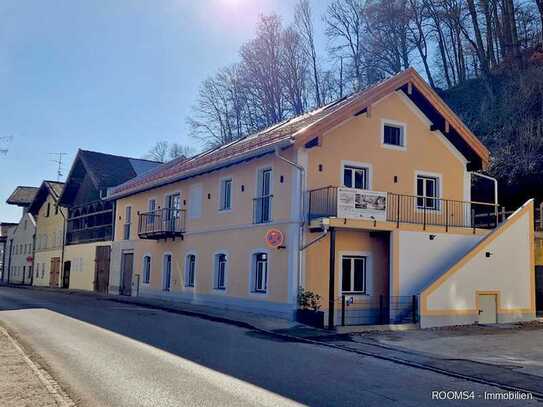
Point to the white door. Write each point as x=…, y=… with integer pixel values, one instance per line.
x=487, y=309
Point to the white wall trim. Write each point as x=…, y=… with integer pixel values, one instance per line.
x=219, y=194
x=369, y=271
x=164, y=254
x=145, y=254
x=253, y=293
x=384, y=122
x=185, y=267
x=357, y=164
x=226, y=271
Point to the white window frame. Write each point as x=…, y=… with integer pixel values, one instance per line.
x=143, y=268
x=365, y=276
x=216, y=270
x=222, y=193
x=186, y=270
x=255, y=273
x=439, y=178
x=369, y=272
x=151, y=218
x=258, y=190
x=252, y=272
x=169, y=289
x=394, y=123
x=127, y=226
x=358, y=164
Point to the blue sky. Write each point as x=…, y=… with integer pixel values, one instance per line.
x=109, y=75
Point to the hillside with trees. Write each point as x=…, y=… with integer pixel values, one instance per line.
x=484, y=57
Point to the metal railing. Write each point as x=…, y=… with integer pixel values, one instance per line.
x=161, y=223
x=262, y=209
x=378, y=310
x=412, y=209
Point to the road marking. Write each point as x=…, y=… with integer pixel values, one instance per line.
x=50, y=384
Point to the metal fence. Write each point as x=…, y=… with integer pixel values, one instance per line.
x=377, y=310
x=161, y=223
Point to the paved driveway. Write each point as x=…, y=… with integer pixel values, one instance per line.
x=111, y=354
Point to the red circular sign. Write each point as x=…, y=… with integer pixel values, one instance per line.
x=274, y=238
x=29, y=259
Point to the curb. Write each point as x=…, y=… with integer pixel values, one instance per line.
x=52, y=386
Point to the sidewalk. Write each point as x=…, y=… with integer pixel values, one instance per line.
x=22, y=382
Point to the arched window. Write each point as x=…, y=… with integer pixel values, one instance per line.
x=190, y=270
x=220, y=271
x=146, y=269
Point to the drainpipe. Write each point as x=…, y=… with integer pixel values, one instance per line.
x=301, y=221
x=33, y=256
x=63, y=243
x=332, y=279
x=9, y=261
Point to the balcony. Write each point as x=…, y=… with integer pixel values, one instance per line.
x=334, y=202
x=90, y=234
x=161, y=224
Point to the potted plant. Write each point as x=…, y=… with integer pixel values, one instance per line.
x=309, y=306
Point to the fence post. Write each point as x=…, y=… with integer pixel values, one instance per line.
x=343, y=310
x=503, y=214
x=497, y=216
x=414, y=306
x=473, y=220
x=424, y=215
x=446, y=215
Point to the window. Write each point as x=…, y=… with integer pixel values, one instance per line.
x=42, y=270
x=151, y=207
x=220, y=271
x=262, y=203
x=355, y=177
x=226, y=195
x=37, y=270
x=56, y=209
x=353, y=277
x=167, y=272
x=393, y=134
x=127, y=221
x=146, y=269
x=190, y=270
x=427, y=192
x=48, y=210
x=195, y=201
x=260, y=272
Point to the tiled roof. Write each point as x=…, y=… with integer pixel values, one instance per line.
x=287, y=131
x=22, y=196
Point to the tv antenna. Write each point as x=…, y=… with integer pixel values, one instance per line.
x=4, y=141
x=58, y=160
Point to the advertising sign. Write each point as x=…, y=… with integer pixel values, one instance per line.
x=361, y=204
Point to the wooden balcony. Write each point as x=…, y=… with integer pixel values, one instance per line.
x=337, y=202
x=161, y=224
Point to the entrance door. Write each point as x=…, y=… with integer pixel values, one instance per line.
x=127, y=266
x=539, y=289
x=66, y=274
x=101, y=269
x=54, y=272
x=487, y=309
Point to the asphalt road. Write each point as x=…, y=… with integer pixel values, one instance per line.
x=109, y=354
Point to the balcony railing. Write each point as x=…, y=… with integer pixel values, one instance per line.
x=161, y=224
x=411, y=209
x=262, y=209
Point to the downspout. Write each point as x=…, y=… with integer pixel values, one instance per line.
x=33, y=256
x=301, y=221
x=63, y=243
x=9, y=262
x=332, y=279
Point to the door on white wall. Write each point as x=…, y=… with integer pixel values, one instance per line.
x=487, y=309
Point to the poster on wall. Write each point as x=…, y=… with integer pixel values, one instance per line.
x=361, y=204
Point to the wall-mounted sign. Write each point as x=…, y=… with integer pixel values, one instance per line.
x=29, y=259
x=361, y=204
x=274, y=238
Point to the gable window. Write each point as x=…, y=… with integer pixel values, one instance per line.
x=48, y=210
x=56, y=209
x=220, y=271
x=127, y=222
x=393, y=135
x=355, y=177
x=190, y=270
x=146, y=269
x=427, y=192
x=353, y=274
x=260, y=284
x=225, y=195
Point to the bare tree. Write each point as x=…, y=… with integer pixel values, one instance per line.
x=304, y=25
x=163, y=151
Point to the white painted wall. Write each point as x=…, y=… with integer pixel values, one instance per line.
x=422, y=261
x=507, y=270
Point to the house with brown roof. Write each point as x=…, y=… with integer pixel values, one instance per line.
x=19, y=247
x=89, y=218
x=364, y=203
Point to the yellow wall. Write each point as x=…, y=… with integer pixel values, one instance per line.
x=539, y=252
x=214, y=231
x=360, y=140
x=82, y=258
x=52, y=227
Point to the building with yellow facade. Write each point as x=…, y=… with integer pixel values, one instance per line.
x=365, y=202
x=49, y=241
